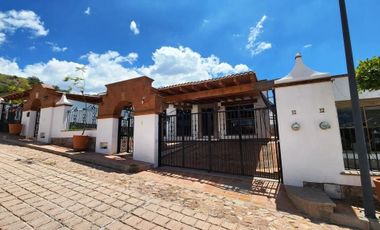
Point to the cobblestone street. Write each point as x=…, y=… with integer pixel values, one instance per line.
x=45, y=191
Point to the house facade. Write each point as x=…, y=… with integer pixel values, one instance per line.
x=294, y=129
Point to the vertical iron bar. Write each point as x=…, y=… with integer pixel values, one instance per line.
x=160, y=137
x=240, y=143
x=369, y=207
x=119, y=135
x=279, y=160
x=209, y=127
x=128, y=133
x=182, y=126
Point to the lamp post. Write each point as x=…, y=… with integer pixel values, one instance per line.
x=369, y=208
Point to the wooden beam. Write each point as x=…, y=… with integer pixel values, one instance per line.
x=212, y=93
x=264, y=85
x=231, y=103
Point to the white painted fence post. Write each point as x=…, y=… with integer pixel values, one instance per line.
x=28, y=122
x=145, y=138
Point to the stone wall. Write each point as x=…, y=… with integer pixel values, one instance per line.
x=68, y=142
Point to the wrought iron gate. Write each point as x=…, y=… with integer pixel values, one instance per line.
x=37, y=123
x=125, y=135
x=9, y=114
x=239, y=140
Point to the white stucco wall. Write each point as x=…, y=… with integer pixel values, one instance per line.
x=28, y=123
x=59, y=126
x=107, y=132
x=145, y=146
x=342, y=90
x=310, y=154
x=45, y=125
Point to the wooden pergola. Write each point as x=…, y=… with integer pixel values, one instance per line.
x=236, y=87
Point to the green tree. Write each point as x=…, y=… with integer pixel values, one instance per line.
x=33, y=80
x=368, y=74
x=79, y=83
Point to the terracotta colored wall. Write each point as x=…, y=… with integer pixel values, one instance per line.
x=137, y=92
x=41, y=97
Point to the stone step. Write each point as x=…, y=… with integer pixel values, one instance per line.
x=317, y=204
x=311, y=201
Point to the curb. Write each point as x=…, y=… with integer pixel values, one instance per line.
x=86, y=157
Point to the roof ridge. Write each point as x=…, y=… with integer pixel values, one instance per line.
x=207, y=80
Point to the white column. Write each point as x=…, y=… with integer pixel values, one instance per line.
x=107, y=135
x=60, y=119
x=195, y=121
x=28, y=122
x=45, y=125
x=145, y=138
x=222, y=123
x=310, y=154
x=171, y=127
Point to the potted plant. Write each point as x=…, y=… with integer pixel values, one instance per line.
x=79, y=141
x=14, y=124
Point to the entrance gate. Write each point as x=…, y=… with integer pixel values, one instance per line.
x=125, y=133
x=241, y=140
x=37, y=123
x=9, y=114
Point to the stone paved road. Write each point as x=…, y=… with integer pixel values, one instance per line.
x=38, y=193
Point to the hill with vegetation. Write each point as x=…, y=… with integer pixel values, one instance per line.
x=12, y=84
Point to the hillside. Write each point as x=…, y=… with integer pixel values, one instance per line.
x=9, y=84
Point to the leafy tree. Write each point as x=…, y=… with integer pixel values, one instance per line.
x=368, y=74
x=79, y=83
x=33, y=80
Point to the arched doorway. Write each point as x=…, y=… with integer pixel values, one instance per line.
x=125, y=131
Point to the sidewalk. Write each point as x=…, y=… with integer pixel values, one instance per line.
x=109, y=161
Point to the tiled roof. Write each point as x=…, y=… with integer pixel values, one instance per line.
x=239, y=75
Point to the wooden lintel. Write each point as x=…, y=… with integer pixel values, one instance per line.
x=212, y=93
x=230, y=103
x=264, y=85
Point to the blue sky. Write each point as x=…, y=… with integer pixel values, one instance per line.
x=176, y=41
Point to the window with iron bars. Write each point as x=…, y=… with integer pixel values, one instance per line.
x=371, y=123
x=78, y=119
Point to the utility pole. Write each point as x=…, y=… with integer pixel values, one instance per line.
x=369, y=207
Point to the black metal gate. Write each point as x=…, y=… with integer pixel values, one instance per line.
x=37, y=123
x=240, y=140
x=125, y=133
x=9, y=114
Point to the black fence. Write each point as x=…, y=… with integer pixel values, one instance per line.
x=371, y=116
x=10, y=114
x=78, y=119
x=240, y=140
x=350, y=155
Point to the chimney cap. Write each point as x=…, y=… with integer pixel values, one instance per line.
x=63, y=100
x=301, y=72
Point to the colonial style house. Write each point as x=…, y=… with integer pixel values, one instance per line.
x=232, y=124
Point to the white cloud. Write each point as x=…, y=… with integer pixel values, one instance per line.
x=133, y=27
x=12, y=20
x=55, y=48
x=307, y=46
x=171, y=65
x=132, y=57
x=87, y=11
x=177, y=65
x=253, y=45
